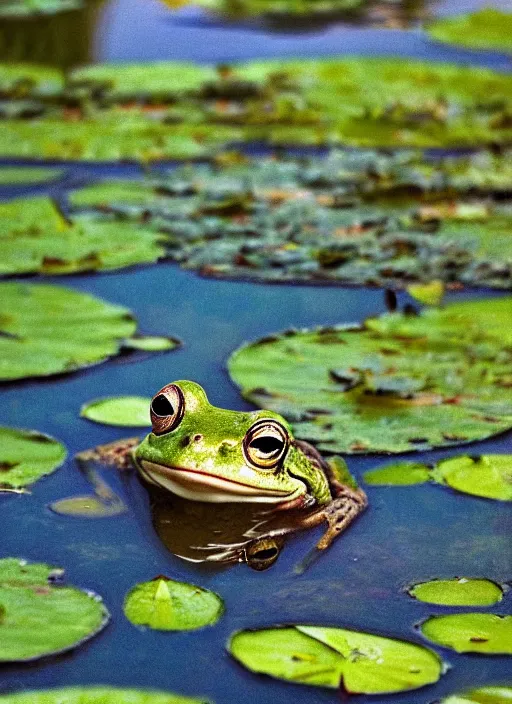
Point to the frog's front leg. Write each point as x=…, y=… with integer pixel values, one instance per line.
x=116, y=454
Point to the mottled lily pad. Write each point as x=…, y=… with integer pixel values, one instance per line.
x=333, y=657
x=489, y=28
x=166, y=605
x=118, y=410
x=97, y=695
x=483, y=695
x=471, y=633
x=39, y=617
x=394, y=384
x=457, y=592
x=26, y=455
x=48, y=330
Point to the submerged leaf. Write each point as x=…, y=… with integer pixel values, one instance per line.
x=167, y=605
x=97, y=695
x=118, y=410
x=471, y=633
x=457, y=592
x=361, y=662
x=40, y=618
x=458, y=357
x=26, y=455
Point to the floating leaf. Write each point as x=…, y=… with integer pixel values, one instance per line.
x=21, y=175
x=489, y=476
x=457, y=592
x=88, y=507
x=40, y=618
x=118, y=410
x=489, y=28
x=458, y=356
x=471, y=633
x=399, y=474
x=97, y=695
x=430, y=294
x=152, y=343
x=26, y=455
x=329, y=657
x=48, y=330
x=167, y=605
x=484, y=695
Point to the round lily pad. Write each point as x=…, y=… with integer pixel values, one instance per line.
x=167, y=605
x=488, y=476
x=21, y=175
x=394, y=384
x=39, y=617
x=97, y=695
x=118, y=410
x=399, y=474
x=457, y=592
x=484, y=695
x=47, y=330
x=26, y=455
x=332, y=657
x=471, y=633
x=489, y=29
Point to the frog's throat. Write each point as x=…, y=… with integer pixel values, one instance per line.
x=199, y=486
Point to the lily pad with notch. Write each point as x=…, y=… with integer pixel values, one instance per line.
x=40, y=616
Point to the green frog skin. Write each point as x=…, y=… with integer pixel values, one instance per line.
x=209, y=454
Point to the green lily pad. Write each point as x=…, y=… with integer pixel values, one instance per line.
x=471, y=633
x=36, y=238
x=457, y=592
x=97, y=695
x=118, y=410
x=166, y=605
x=489, y=28
x=21, y=175
x=26, y=456
x=331, y=657
x=399, y=474
x=152, y=343
x=35, y=319
x=410, y=382
x=483, y=695
x=40, y=618
x=430, y=294
x=489, y=476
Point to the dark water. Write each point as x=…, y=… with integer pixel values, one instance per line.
x=408, y=534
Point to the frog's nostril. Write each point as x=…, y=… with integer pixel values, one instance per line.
x=197, y=438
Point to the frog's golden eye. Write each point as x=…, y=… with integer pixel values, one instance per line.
x=167, y=409
x=266, y=443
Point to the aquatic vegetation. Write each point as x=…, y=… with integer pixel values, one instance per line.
x=487, y=476
x=487, y=634
x=118, y=410
x=166, y=605
x=483, y=695
x=489, y=29
x=21, y=81
x=367, y=388
x=360, y=663
x=26, y=456
x=26, y=8
x=170, y=110
x=31, y=595
x=97, y=695
x=23, y=175
x=457, y=592
x=48, y=330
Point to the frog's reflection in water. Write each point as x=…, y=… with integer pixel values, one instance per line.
x=219, y=533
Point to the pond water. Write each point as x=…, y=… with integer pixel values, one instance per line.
x=408, y=534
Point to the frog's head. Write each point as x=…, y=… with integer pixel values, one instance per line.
x=210, y=454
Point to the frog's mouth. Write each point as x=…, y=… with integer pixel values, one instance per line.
x=200, y=486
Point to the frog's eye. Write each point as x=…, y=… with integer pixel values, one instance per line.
x=266, y=443
x=167, y=409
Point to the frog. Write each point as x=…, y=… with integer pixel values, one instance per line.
x=202, y=453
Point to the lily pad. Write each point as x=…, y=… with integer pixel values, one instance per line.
x=487, y=634
x=399, y=474
x=332, y=657
x=430, y=294
x=22, y=175
x=489, y=476
x=489, y=29
x=457, y=592
x=166, y=605
x=97, y=695
x=118, y=410
x=436, y=379
x=41, y=618
x=483, y=695
x=26, y=456
x=152, y=343
x=36, y=320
